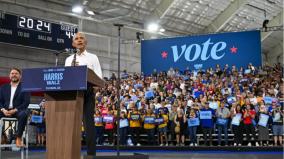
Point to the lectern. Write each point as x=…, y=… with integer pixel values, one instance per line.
x=64, y=92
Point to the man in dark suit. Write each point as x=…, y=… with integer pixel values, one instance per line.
x=14, y=103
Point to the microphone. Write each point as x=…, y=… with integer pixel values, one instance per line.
x=75, y=56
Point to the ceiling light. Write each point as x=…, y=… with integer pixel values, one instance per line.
x=77, y=9
x=162, y=30
x=90, y=12
x=153, y=27
x=85, y=2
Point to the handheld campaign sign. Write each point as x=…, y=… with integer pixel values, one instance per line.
x=159, y=120
x=134, y=116
x=149, y=94
x=237, y=119
x=268, y=100
x=247, y=71
x=231, y=99
x=123, y=123
x=213, y=105
x=36, y=119
x=276, y=117
x=149, y=120
x=193, y=122
x=201, y=51
x=263, y=120
x=98, y=119
x=108, y=119
x=205, y=114
x=221, y=121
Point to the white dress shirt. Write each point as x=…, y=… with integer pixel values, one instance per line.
x=13, y=90
x=86, y=59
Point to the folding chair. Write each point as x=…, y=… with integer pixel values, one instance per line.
x=11, y=121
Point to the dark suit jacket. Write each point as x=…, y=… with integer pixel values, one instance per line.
x=21, y=100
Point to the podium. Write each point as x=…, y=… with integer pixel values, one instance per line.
x=63, y=89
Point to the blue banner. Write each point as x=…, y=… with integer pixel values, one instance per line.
x=55, y=79
x=201, y=52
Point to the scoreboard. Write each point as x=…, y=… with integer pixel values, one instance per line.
x=34, y=32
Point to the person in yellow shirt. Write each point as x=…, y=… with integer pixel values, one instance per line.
x=134, y=125
x=162, y=127
x=149, y=126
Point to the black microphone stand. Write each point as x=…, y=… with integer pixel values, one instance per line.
x=119, y=26
x=56, y=53
x=74, y=58
x=56, y=58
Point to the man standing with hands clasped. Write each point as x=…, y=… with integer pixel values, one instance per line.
x=14, y=103
x=82, y=57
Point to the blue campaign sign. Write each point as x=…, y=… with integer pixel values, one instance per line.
x=263, y=120
x=201, y=52
x=221, y=121
x=123, y=123
x=237, y=119
x=98, y=120
x=149, y=94
x=193, y=122
x=108, y=119
x=231, y=99
x=55, y=79
x=268, y=100
x=36, y=119
x=213, y=105
x=149, y=120
x=159, y=120
x=205, y=114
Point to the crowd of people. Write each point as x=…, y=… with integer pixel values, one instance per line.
x=171, y=107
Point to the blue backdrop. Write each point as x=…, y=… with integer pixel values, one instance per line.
x=201, y=52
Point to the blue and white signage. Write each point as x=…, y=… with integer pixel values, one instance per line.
x=193, y=122
x=205, y=114
x=149, y=120
x=201, y=52
x=237, y=119
x=36, y=119
x=55, y=79
x=263, y=120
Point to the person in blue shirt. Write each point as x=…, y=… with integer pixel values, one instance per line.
x=207, y=124
x=198, y=92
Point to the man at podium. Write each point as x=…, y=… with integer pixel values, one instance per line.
x=14, y=103
x=82, y=57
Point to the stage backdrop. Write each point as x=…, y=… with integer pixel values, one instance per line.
x=201, y=52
